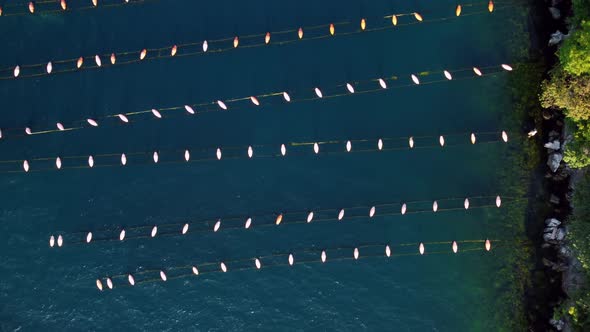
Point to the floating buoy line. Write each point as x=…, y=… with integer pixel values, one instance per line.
x=379, y=84
x=206, y=46
x=277, y=219
x=44, y=7
x=292, y=258
x=183, y=156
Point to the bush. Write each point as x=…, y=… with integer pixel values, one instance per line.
x=569, y=92
x=574, y=54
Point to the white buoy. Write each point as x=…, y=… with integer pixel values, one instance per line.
x=58, y=163
x=279, y=219
x=163, y=276
x=310, y=216
x=92, y=122
x=257, y=263
x=60, y=240
x=254, y=101
x=372, y=212
x=52, y=241
x=291, y=259
x=142, y=54
x=488, y=245
x=95, y=2
x=498, y=201
x=283, y=149
x=477, y=71
x=217, y=225
x=109, y=283
x=316, y=148
x=473, y=139
x=248, y=223
x=154, y=231
x=348, y=146
x=28, y=131
x=380, y=144
x=156, y=113
x=49, y=67
x=195, y=270
x=218, y=153
x=504, y=136
x=79, y=62
x=382, y=83
x=356, y=253
x=60, y=126
x=350, y=88
x=187, y=155
x=189, y=109
x=122, y=235
x=421, y=248
x=184, y=229
x=99, y=284
x=455, y=247
x=286, y=96
x=26, y=165
x=466, y=203
x=404, y=208
x=131, y=280
x=173, y=50
x=123, y=159
x=223, y=267
x=88, y=237
x=448, y=75
x=222, y=105
x=435, y=206
x=411, y=142
x=236, y=41
x=90, y=161
x=123, y=118
x=267, y=38
x=250, y=152
x=97, y=60
x=318, y=93
x=387, y=251
x=506, y=67
x=341, y=214
x=415, y=79
x=16, y=71
x=156, y=157
x=113, y=58
x=441, y=140
x=205, y=46
x=324, y=256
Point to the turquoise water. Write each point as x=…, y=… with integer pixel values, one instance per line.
x=55, y=288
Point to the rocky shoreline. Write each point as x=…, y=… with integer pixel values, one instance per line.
x=563, y=272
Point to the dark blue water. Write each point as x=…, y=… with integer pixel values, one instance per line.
x=43, y=288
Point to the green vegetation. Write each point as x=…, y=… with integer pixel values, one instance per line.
x=569, y=85
x=569, y=89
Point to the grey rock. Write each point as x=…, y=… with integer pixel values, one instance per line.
x=556, y=38
x=552, y=222
x=554, y=161
x=554, y=199
x=555, y=13
x=558, y=324
x=554, y=145
x=560, y=234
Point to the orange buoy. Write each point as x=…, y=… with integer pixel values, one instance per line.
x=418, y=17
x=267, y=38
x=394, y=20
x=95, y=3
x=473, y=139
x=363, y=24
x=63, y=4
x=0, y=10
x=491, y=6
x=113, y=58
x=458, y=10
x=32, y=7
x=300, y=33
x=173, y=50
x=279, y=219
x=332, y=30
x=142, y=54
x=79, y=62
x=236, y=41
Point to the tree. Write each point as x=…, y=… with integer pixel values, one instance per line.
x=574, y=54
x=569, y=92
